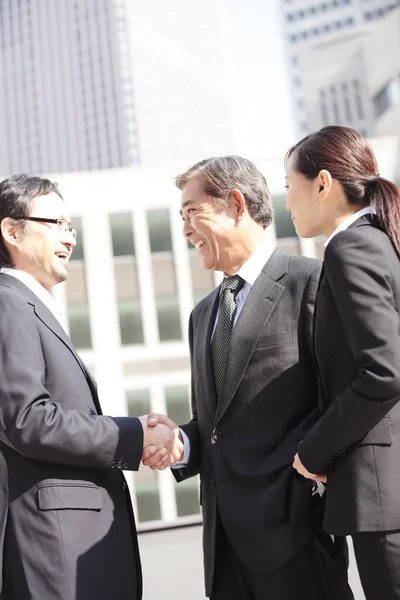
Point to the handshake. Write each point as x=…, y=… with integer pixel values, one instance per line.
x=162, y=442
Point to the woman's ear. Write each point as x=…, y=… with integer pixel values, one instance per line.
x=324, y=183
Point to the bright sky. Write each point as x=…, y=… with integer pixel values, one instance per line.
x=262, y=116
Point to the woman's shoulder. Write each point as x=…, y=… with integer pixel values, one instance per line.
x=360, y=238
x=365, y=247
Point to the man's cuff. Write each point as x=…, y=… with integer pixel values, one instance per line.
x=186, y=452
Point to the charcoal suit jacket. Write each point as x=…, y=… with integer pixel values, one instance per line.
x=67, y=530
x=244, y=445
x=357, y=349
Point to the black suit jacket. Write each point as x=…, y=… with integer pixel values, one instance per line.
x=357, y=347
x=66, y=525
x=243, y=447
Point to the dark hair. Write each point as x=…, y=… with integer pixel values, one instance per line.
x=16, y=195
x=220, y=175
x=350, y=160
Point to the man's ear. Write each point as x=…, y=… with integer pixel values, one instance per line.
x=10, y=231
x=239, y=203
x=324, y=183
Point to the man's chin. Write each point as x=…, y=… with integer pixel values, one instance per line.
x=61, y=275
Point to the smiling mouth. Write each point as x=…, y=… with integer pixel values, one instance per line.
x=63, y=255
x=199, y=244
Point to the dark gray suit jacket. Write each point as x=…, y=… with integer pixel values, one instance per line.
x=243, y=447
x=357, y=348
x=67, y=530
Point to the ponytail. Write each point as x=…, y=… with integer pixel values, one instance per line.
x=384, y=196
x=350, y=160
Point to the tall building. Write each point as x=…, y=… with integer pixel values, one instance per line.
x=306, y=21
x=353, y=79
x=93, y=84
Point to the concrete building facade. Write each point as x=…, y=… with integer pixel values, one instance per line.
x=310, y=21
x=354, y=79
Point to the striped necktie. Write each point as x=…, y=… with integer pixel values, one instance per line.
x=226, y=317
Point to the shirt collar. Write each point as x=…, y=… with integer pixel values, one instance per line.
x=35, y=287
x=253, y=266
x=369, y=210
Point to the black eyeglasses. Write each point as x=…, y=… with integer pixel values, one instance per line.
x=62, y=224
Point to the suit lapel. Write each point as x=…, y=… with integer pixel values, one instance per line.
x=258, y=307
x=49, y=320
x=205, y=326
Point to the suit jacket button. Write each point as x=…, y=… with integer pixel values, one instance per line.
x=215, y=436
x=212, y=482
x=113, y=464
x=124, y=486
x=126, y=465
x=119, y=465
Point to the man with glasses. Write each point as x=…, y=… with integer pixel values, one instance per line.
x=67, y=529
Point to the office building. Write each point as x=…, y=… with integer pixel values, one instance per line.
x=308, y=21
x=95, y=84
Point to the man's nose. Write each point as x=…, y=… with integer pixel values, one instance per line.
x=187, y=227
x=69, y=240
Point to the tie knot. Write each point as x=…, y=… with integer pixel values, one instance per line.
x=233, y=284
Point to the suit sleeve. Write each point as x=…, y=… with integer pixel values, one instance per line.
x=363, y=291
x=309, y=305
x=191, y=429
x=36, y=426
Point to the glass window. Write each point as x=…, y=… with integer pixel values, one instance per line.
x=360, y=108
x=169, y=325
x=122, y=234
x=146, y=480
x=78, y=307
x=187, y=497
x=348, y=110
x=138, y=402
x=159, y=230
x=283, y=221
x=126, y=279
x=177, y=401
x=167, y=302
x=387, y=97
x=128, y=300
x=77, y=253
x=79, y=325
x=130, y=321
x=335, y=111
x=202, y=279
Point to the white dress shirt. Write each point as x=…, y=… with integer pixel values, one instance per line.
x=249, y=271
x=347, y=222
x=36, y=288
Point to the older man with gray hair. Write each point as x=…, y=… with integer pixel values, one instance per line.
x=254, y=397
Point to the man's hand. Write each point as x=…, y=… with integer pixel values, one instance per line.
x=162, y=443
x=159, y=458
x=300, y=468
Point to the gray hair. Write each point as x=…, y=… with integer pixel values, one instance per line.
x=220, y=175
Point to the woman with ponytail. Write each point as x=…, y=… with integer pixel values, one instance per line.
x=334, y=188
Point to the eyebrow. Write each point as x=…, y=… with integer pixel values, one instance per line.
x=187, y=202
